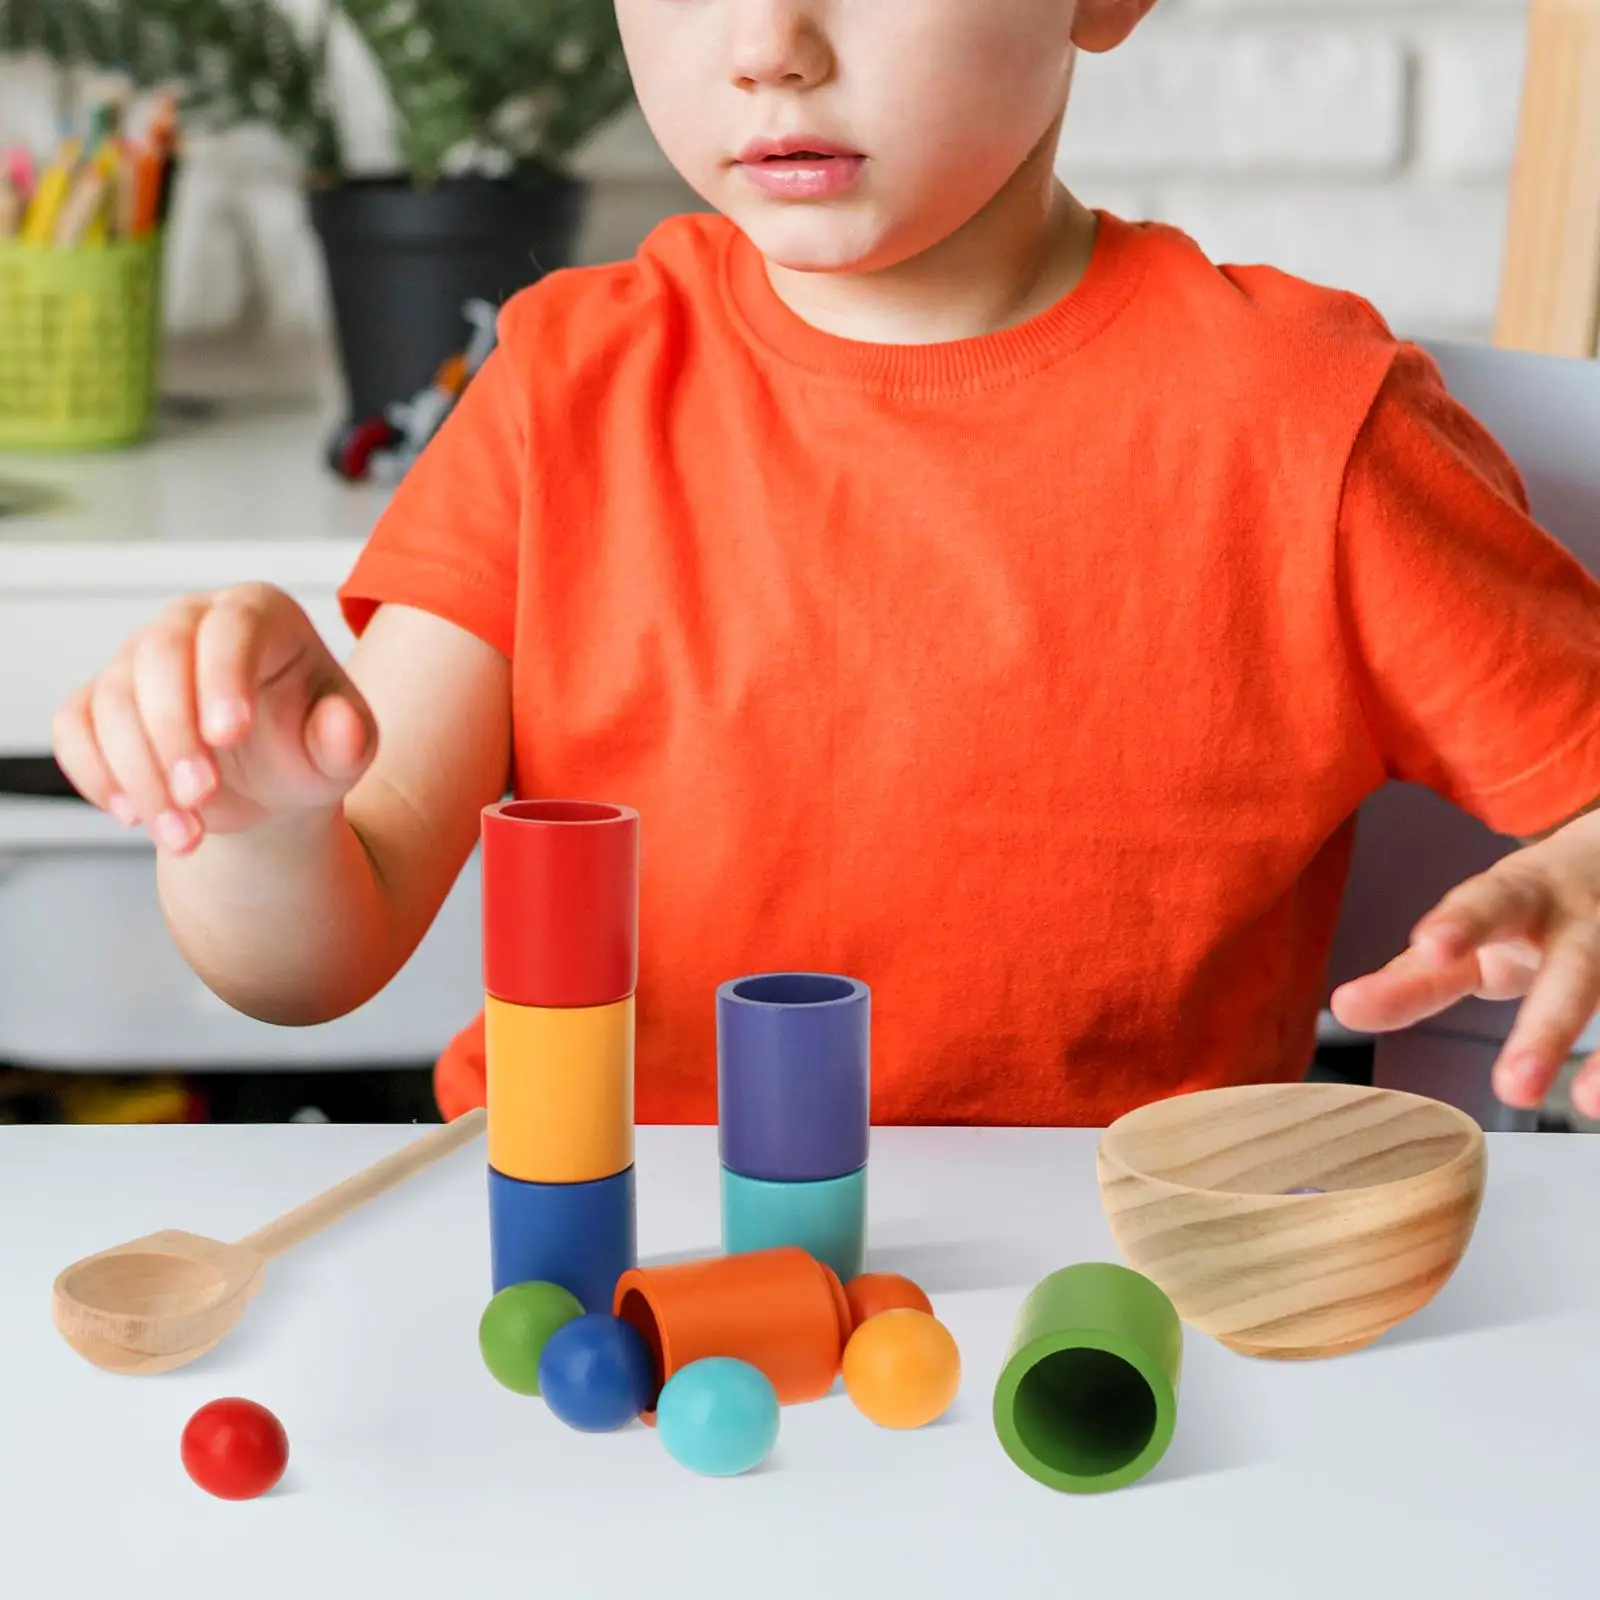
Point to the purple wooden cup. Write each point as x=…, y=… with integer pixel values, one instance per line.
x=794, y=1082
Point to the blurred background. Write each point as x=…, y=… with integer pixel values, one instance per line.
x=1363, y=142
x=249, y=251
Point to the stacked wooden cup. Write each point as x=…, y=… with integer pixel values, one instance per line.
x=561, y=962
x=794, y=1113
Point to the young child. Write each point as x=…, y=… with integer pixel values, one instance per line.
x=985, y=597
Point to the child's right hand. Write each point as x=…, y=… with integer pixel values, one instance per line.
x=225, y=712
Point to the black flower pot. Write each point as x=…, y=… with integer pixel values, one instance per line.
x=402, y=260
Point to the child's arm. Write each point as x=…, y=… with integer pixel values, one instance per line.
x=1477, y=643
x=1529, y=926
x=326, y=818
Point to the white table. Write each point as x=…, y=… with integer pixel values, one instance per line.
x=1458, y=1458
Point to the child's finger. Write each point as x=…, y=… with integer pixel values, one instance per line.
x=1563, y=999
x=78, y=755
x=137, y=774
x=1507, y=901
x=1412, y=986
x=338, y=738
x=164, y=691
x=1586, y=1089
x=229, y=641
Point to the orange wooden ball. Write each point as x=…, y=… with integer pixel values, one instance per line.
x=902, y=1368
x=876, y=1292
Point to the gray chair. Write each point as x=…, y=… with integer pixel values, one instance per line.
x=1411, y=847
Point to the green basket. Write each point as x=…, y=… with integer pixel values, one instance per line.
x=80, y=343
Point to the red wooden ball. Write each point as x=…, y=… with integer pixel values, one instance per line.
x=234, y=1449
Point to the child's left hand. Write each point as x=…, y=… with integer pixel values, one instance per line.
x=1530, y=926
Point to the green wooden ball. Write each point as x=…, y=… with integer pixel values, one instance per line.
x=515, y=1327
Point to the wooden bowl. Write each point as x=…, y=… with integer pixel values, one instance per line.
x=1196, y=1190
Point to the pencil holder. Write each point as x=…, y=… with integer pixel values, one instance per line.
x=80, y=341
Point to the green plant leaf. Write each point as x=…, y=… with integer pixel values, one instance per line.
x=529, y=79
x=542, y=75
x=233, y=60
x=431, y=101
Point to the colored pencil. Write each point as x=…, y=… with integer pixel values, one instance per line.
x=48, y=198
x=104, y=186
x=82, y=209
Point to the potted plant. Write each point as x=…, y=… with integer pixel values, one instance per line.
x=491, y=98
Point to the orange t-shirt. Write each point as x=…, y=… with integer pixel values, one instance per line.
x=1032, y=679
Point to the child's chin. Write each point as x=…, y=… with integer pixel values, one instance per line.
x=815, y=238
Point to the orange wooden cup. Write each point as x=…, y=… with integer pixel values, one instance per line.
x=781, y=1310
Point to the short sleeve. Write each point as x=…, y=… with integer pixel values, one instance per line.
x=447, y=542
x=1476, y=636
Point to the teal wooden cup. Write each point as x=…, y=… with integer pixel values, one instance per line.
x=1087, y=1399
x=827, y=1217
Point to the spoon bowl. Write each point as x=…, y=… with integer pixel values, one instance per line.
x=159, y=1283
x=161, y=1301
x=156, y=1302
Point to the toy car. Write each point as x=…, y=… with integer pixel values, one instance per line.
x=385, y=447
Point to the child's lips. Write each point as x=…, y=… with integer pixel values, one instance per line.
x=800, y=169
x=792, y=147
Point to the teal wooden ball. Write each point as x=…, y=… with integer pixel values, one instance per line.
x=718, y=1417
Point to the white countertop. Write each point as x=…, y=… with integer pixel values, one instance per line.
x=231, y=485
x=1456, y=1458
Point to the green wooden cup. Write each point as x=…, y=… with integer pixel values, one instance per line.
x=1088, y=1397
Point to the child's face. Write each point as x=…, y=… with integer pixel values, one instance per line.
x=924, y=110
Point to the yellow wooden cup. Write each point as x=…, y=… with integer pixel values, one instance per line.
x=560, y=1090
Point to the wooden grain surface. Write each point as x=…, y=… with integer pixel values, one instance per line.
x=1196, y=1193
x=1550, y=284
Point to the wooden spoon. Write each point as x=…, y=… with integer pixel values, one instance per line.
x=159, y=1302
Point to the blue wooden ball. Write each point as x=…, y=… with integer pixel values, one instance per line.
x=596, y=1373
x=718, y=1417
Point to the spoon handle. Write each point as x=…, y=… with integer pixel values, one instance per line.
x=295, y=1226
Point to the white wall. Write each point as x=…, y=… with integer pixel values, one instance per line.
x=1364, y=143
x=1359, y=142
